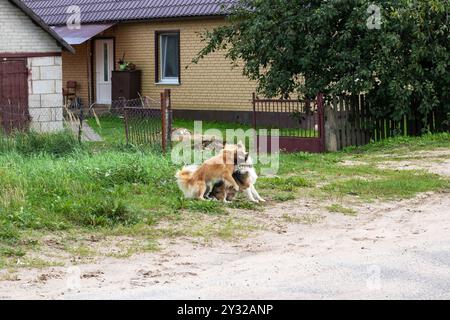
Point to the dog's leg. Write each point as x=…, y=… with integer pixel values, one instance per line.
x=201, y=191
x=225, y=196
x=256, y=194
x=249, y=194
x=229, y=178
x=207, y=194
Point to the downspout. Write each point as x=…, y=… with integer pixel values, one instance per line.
x=89, y=66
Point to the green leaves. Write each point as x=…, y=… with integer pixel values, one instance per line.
x=403, y=66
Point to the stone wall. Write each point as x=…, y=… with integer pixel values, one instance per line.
x=45, y=93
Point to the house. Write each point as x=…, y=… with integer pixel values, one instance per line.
x=30, y=70
x=161, y=37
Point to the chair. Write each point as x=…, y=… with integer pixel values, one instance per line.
x=70, y=91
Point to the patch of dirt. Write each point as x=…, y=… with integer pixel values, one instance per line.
x=92, y=274
x=438, y=167
x=434, y=161
x=436, y=153
x=354, y=163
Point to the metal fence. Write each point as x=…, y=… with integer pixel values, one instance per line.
x=40, y=119
x=14, y=118
x=148, y=124
x=294, y=118
x=118, y=106
x=300, y=122
x=143, y=126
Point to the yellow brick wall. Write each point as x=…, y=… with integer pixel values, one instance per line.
x=75, y=67
x=212, y=84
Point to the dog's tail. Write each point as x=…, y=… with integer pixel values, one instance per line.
x=184, y=180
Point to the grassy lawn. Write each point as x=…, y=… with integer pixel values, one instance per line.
x=112, y=128
x=50, y=185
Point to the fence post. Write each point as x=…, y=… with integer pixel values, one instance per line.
x=255, y=133
x=163, y=121
x=330, y=129
x=169, y=118
x=321, y=121
x=125, y=118
x=80, y=127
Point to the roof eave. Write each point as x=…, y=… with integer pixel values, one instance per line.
x=197, y=17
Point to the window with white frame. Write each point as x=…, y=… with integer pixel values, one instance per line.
x=168, y=58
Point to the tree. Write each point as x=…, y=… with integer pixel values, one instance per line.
x=395, y=51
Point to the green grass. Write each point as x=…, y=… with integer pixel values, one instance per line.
x=308, y=218
x=404, y=144
x=395, y=185
x=83, y=190
x=112, y=128
x=32, y=143
x=207, y=125
x=337, y=208
x=49, y=184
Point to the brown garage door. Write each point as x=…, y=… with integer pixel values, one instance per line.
x=14, y=113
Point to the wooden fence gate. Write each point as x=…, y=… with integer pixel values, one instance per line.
x=14, y=114
x=300, y=123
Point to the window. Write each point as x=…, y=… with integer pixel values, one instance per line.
x=105, y=62
x=168, y=58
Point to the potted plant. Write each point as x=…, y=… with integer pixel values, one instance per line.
x=123, y=65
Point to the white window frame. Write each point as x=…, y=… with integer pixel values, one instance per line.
x=161, y=65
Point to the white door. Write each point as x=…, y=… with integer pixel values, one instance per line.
x=104, y=65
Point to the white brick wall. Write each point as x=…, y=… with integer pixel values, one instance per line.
x=51, y=72
x=20, y=34
x=45, y=99
x=43, y=86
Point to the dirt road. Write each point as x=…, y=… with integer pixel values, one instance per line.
x=395, y=250
x=400, y=251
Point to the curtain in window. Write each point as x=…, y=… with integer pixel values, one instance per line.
x=169, y=55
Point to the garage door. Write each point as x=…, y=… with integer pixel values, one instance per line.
x=13, y=95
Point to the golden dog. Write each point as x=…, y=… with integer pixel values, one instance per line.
x=196, y=182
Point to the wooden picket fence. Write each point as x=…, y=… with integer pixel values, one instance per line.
x=348, y=122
